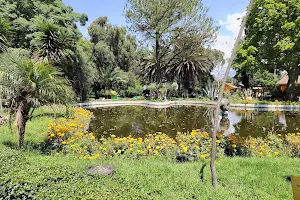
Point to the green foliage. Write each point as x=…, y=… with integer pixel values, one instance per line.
x=37, y=82
x=272, y=40
x=79, y=67
x=179, y=33
x=267, y=80
x=26, y=84
x=5, y=32
x=115, y=55
x=25, y=15
x=52, y=41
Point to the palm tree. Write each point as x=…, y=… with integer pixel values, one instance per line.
x=27, y=84
x=152, y=70
x=188, y=68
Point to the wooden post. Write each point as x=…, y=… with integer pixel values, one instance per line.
x=216, y=117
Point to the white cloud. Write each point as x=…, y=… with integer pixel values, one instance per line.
x=233, y=22
x=225, y=42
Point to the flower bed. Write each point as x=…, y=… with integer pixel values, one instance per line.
x=68, y=135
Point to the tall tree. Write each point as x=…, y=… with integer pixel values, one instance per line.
x=162, y=22
x=79, y=67
x=27, y=83
x=113, y=45
x=272, y=41
x=191, y=65
x=114, y=53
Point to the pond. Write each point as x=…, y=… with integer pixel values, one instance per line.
x=138, y=121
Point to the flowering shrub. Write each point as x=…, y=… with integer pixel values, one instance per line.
x=293, y=141
x=272, y=145
x=70, y=136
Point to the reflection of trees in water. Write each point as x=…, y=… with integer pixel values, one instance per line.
x=138, y=121
x=262, y=123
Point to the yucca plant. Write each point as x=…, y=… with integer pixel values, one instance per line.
x=53, y=41
x=27, y=84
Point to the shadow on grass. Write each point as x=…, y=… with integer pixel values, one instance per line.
x=28, y=146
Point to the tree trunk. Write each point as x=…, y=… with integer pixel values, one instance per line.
x=21, y=120
x=292, y=85
x=213, y=154
x=157, y=57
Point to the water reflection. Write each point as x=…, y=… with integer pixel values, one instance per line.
x=138, y=121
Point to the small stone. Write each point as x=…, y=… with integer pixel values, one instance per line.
x=102, y=170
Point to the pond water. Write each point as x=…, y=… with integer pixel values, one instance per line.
x=138, y=121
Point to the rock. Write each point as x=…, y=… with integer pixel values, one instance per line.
x=102, y=170
x=249, y=99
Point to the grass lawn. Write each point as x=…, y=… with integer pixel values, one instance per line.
x=29, y=174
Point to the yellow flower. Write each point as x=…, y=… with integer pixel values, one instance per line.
x=155, y=152
x=276, y=153
x=234, y=145
x=218, y=141
x=64, y=142
x=184, y=149
x=148, y=147
x=85, y=147
x=202, y=156
x=52, y=135
x=197, y=147
x=43, y=141
x=130, y=149
x=138, y=151
x=119, y=151
x=113, y=136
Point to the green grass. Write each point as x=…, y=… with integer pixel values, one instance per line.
x=29, y=173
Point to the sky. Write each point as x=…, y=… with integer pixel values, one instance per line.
x=226, y=13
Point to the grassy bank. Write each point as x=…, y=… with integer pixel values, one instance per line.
x=30, y=174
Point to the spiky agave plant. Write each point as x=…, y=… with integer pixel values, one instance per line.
x=27, y=83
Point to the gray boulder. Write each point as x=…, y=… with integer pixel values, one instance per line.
x=101, y=170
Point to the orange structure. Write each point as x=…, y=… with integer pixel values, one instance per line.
x=284, y=81
x=229, y=87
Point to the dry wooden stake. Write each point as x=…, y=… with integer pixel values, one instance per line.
x=216, y=117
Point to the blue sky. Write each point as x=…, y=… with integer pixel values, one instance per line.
x=225, y=13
